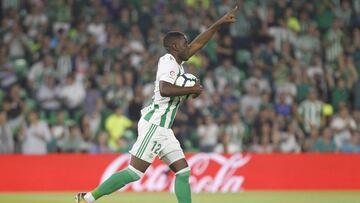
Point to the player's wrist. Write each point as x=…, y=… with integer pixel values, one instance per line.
x=217, y=24
x=193, y=90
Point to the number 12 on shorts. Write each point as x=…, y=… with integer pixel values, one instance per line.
x=156, y=147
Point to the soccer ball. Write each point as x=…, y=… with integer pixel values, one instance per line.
x=186, y=80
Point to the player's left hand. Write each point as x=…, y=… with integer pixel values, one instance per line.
x=193, y=96
x=229, y=17
x=196, y=95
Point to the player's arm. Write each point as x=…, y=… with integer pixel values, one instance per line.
x=169, y=90
x=204, y=37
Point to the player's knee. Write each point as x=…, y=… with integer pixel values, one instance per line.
x=183, y=172
x=135, y=173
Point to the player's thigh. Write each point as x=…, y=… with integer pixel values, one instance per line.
x=172, y=153
x=139, y=164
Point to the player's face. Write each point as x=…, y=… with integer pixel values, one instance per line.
x=183, y=49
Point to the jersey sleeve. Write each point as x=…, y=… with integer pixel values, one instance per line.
x=168, y=70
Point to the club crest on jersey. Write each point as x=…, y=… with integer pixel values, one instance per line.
x=172, y=74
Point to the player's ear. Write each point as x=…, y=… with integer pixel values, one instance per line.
x=174, y=46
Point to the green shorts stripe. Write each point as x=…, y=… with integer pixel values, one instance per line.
x=147, y=141
x=143, y=141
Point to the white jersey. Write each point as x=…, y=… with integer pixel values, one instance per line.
x=162, y=110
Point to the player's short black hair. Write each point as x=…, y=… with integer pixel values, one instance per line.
x=170, y=38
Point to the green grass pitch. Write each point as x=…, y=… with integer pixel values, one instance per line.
x=243, y=197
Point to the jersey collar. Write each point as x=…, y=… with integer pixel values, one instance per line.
x=172, y=57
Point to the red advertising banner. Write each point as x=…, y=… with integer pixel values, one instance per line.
x=209, y=172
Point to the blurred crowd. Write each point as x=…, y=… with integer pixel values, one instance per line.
x=284, y=77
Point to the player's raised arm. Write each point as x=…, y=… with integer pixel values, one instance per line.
x=204, y=37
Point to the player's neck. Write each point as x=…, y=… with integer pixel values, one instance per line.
x=178, y=60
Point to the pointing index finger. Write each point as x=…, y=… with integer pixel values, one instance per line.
x=234, y=9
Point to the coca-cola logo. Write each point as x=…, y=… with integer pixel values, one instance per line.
x=209, y=173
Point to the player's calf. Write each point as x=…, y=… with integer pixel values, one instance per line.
x=112, y=184
x=182, y=186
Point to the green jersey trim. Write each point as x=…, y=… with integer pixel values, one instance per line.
x=163, y=117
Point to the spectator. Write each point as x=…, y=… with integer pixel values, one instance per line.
x=310, y=142
x=136, y=104
x=342, y=125
x=82, y=62
x=344, y=12
x=91, y=97
x=19, y=137
x=262, y=143
x=310, y=112
x=281, y=34
x=116, y=124
x=325, y=15
x=47, y=96
x=325, y=143
x=258, y=80
x=87, y=133
x=353, y=145
x=101, y=144
x=209, y=134
x=308, y=44
x=6, y=137
x=8, y=74
x=64, y=63
x=63, y=14
x=340, y=94
x=97, y=118
x=97, y=29
x=73, y=142
x=227, y=74
x=288, y=88
x=37, y=135
x=16, y=42
x=289, y=138
x=73, y=94
x=40, y=71
x=235, y=136
x=14, y=107
x=229, y=102
x=333, y=41
x=250, y=100
x=282, y=108
x=356, y=116
x=264, y=117
x=36, y=22
x=119, y=93
x=346, y=71
x=60, y=129
x=224, y=49
x=264, y=146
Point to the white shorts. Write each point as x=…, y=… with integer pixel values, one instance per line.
x=155, y=141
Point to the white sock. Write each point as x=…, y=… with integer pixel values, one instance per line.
x=89, y=198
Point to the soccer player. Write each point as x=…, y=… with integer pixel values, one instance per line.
x=155, y=137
